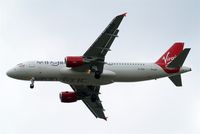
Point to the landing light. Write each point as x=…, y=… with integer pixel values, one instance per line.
x=88, y=71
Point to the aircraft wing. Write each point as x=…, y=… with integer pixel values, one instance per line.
x=102, y=44
x=97, y=51
x=89, y=95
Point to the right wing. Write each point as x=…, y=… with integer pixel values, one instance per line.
x=89, y=95
x=102, y=44
x=95, y=55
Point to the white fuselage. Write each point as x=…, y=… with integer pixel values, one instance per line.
x=113, y=72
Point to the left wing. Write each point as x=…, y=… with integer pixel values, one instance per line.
x=89, y=95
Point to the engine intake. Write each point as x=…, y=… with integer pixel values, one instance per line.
x=68, y=97
x=74, y=61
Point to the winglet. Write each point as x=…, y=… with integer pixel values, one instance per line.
x=105, y=118
x=124, y=14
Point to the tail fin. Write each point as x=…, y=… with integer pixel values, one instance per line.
x=179, y=60
x=170, y=54
x=172, y=60
x=177, y=63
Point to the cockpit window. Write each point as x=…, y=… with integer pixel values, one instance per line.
x=20, y=65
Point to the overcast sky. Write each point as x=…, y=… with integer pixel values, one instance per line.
x=51, y=30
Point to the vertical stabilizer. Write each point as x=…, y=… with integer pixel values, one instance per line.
x=170, y=54
x=179, y=60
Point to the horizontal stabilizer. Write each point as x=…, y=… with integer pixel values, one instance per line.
x=179, y=60
x=176, y=80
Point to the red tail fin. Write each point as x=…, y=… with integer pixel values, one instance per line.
x=171, y=53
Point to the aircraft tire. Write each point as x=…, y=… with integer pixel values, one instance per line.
x=97, y=75
x=31, y=86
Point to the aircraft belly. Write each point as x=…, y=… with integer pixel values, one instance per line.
x=133, y=76
x=47, y=76
x=85, y=81
x=85, y=78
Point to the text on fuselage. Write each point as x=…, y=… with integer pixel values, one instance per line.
x=53, y=63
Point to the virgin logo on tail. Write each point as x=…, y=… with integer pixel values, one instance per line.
x=167, y=59
x=169, y=56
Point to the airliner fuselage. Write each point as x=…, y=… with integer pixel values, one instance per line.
x=113, y=72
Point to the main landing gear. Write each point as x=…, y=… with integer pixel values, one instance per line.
x=97, y=74
x=32, y=83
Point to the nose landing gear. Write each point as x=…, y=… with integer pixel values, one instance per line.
x=32, y=83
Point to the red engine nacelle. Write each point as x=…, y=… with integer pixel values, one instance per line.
x=74, y=61
x=68, y=97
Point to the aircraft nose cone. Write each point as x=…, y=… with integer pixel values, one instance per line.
x=10, y=73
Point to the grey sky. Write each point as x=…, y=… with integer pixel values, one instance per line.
x=51, y=30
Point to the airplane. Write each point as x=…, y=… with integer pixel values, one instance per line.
x=85, y=74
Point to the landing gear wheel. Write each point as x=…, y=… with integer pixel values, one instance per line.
x=31, y=86
x=32, y=83
x=97, y=75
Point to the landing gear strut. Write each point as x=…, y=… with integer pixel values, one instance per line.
x=94, y=98
x=32, y=83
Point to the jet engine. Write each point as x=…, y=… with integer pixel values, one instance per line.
x=74, y=61
x=68, y=97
